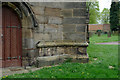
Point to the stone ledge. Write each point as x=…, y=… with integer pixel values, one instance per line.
x=52, y=60
x=60, y=44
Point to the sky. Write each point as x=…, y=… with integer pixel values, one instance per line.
x=104, y=4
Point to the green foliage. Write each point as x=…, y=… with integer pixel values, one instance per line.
x=94, y=12
x=114, y=16
x=105, y=16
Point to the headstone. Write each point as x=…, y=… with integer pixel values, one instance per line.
x=99, y=33
x=91, y=34
x=109, y=34
x=115, y=33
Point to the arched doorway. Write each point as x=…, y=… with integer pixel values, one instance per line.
x=12, y=38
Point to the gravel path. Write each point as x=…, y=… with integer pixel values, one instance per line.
x=110, y=43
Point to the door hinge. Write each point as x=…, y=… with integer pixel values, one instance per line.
x=1, y=35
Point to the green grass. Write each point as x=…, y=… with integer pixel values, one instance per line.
x=103, y=38
x=107, y=55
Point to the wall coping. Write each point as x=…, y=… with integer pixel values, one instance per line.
x=61, y=44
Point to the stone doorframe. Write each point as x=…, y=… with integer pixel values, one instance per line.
x=28, y=23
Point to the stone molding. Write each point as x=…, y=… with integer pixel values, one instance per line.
x=58, y=44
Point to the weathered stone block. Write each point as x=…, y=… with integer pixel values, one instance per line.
x=50, y=51
x=80, y=28
x=34, y=3
x=54, y=51
x=67, y=12
x=46, y=37
x=38, y=10
x=51, y=28
x=78, y=37
x=70, y=50
x=82, y=50
x=49, y=60
x=52, y=11
x=48, y=4
x=37, y=37
x=47, y=51
x=40, y=52
x=41, y=36
x=60, y=50
x=56, y=36
x=43, y=52
x=69, y=28
x=40, y=28
x=79, y=12
x=55, y=20
x=60, y=28
x=74, y=20
x=69, y=5
x=42, y=19
x=28, y=33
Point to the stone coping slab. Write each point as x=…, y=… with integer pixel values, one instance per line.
x=60, y=44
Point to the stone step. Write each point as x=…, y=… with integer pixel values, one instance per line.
x=56, y=59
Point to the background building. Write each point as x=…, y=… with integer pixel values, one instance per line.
x=103, y=27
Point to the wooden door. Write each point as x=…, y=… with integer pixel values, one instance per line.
x=12, y=38
x=0, y=37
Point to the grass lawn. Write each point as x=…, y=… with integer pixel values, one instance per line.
x=103, y=38
x=101, y=57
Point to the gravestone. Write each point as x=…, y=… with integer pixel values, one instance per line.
x=109, y=34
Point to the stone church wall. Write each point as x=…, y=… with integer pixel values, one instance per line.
x=62, y=28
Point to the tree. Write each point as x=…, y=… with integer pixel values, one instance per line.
x=105, y=16
x=94, y=13
x=114, y=16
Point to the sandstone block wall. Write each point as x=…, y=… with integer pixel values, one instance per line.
x=62, y=28
x=60, y=22
x=64, y=22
